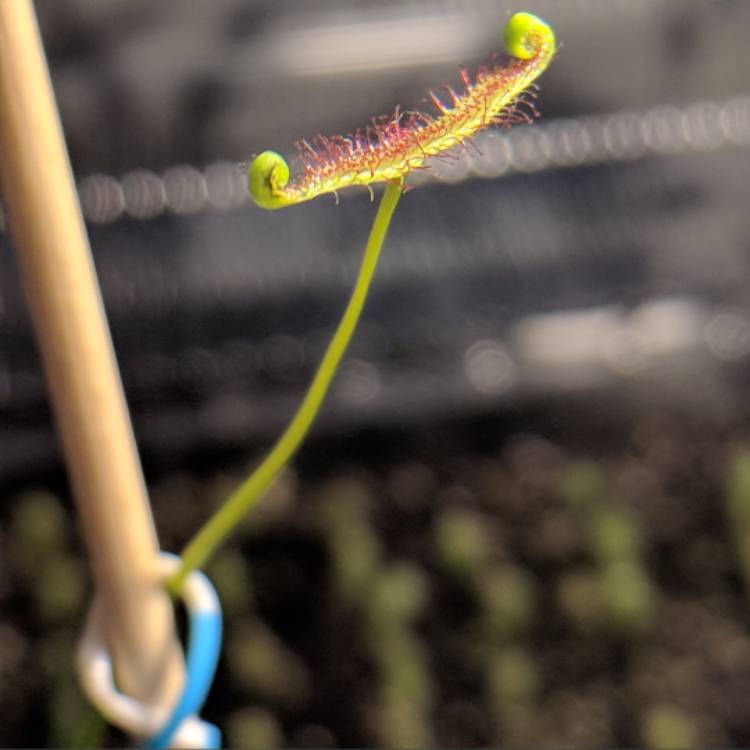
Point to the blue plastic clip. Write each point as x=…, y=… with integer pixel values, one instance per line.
x=203, y=648
x=181, y=726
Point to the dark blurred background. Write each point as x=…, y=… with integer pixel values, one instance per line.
x=524, y=516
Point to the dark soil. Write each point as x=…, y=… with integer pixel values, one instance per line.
x=526, y=579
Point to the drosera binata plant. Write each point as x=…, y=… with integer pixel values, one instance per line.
x=385, y=152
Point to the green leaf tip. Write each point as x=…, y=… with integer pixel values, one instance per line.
x=526, y=36
x=267, y=175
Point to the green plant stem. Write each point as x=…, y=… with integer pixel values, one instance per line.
x=91, y=732
x=216, y=529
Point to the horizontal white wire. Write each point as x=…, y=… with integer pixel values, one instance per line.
x=663, y=130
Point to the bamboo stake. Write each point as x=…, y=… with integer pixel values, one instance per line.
x=63, y=294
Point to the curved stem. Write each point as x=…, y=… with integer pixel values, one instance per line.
x=246, y=495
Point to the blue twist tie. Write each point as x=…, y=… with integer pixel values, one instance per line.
x=204, y=645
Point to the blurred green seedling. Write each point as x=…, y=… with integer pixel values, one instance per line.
x=617, y=593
